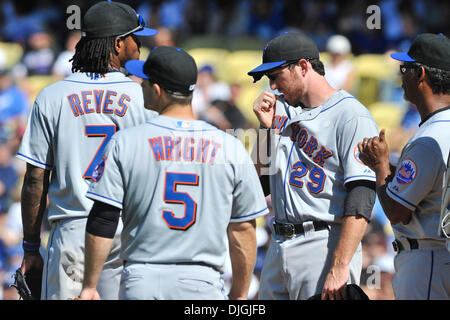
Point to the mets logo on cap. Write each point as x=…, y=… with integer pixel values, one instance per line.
x=407, y=172
x=99, y=169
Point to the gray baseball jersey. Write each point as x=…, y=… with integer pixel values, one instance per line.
x=316, y=154
x=445, y=207
x=417, y=184
x=179, y=184
x=69, y=126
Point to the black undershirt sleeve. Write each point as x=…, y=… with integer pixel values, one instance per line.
x=103, y=220
x=360, y=198
x=265, y=184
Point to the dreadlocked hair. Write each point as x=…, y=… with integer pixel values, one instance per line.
x=93, y=55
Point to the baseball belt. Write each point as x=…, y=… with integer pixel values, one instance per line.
x=406, y=244
x=398, y=246
x=287, y=229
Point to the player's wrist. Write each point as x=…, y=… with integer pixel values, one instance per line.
x=382, y=169
x=382, y=175
x=238, y=295
x=31, y=246
x=342, y=262
x=265, y=121
x=36, y=237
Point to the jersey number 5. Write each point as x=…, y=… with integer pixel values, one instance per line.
x=171, y=195
x=102, y=131
x=316, y=176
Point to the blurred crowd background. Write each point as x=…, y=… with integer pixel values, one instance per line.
x=226, y=37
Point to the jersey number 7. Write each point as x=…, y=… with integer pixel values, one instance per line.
x=171, y=195
x=102, y=131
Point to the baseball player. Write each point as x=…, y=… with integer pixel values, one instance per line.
x=183, y=186
x=411, y=193
x=322, y=194
x=69, y=126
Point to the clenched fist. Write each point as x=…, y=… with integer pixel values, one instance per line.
x=264, y=108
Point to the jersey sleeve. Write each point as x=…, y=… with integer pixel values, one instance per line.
x=108, y=183
x=414, y=176
x=444, y=222
x=36, y=145
x=353, y=132
x=248, y=197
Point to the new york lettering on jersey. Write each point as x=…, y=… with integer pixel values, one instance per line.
x=309, y=143
x=311, y=148
x=279, y=123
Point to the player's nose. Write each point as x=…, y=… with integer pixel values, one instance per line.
x=273, y=85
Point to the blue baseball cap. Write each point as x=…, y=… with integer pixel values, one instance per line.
x=288, y=47
x=429, y=49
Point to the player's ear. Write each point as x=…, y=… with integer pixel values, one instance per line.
x=420, y=73
x=157, y=89
x=303, y=64
x=118, y=44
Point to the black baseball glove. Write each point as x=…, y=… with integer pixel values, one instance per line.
x=354, y=292
x=28, y=285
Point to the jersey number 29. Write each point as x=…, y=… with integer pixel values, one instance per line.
x=171, y=195
x=316, y=176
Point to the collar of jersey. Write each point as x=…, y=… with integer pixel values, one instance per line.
x=432, y=115
x=313, y=113
x=110, y=76
x=306, y=115
x=166, y=122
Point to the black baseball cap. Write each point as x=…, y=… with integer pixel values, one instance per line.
x=170, y=67
x=108, y=18
x=429, y=49
x=285, y=48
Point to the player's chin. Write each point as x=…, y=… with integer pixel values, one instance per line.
x=135, y=55
x=405, y=92
x=291, y=101
x=286, y=97
x=405, y=96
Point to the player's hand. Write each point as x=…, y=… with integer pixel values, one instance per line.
x=237, y=298
x=374, y=152
x=32, y=260
x=89, y=294
x=336, y=283
x=264, y=108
